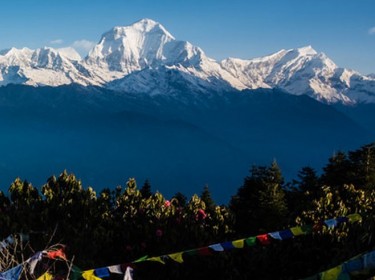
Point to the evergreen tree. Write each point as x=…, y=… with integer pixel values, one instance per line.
x=338, y=171
x=181, y=199
x=303, y=191
x=363, y=166
x=207, y=198
x=260, y=202
x=308, y=181
x=146, y=189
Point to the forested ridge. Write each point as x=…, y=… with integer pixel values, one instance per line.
x=120, y=225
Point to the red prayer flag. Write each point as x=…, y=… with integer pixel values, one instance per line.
x=205, y=251
x=56, y=254
x=264, y=239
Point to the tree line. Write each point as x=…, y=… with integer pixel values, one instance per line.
x=122, y=224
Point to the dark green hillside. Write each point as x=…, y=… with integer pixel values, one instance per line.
x=123, y=224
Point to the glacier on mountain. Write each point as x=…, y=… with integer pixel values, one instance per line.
x=145, y=58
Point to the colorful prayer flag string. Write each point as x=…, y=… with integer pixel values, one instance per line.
x=366, y=261
x=262, y=239
x=361, y=265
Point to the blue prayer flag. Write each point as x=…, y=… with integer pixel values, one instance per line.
x=369, y=260
x=12, y=274
x=331, y=223
x=286, y=234
x=275, y=235
x=102, y=272
x=227, y=245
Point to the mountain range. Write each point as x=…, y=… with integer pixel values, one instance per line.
x=145, y=58
x=143, y=104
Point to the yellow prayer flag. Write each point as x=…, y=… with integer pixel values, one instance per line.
x=46, y=276
x=297, y=231
x=89, y=275
x=354, y=217
x=156, y=259
x=177, y=257
x=331, y=274
x=238, y=243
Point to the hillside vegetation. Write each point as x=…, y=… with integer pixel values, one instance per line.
x=123, y=224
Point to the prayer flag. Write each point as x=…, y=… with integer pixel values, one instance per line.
x=13, y=273
x=24, y=237
x=156, y=259
x=217, y=247
x=204, y=251
x=10, y=239
x=342, y=220
x=331, y=274
x=102, y=272
x=75, y=273
x=331, y=223
x=307, y=229
x=275, y=235
x=251, y=241
x=286, y=234
x=46, y=276
x=227, y=245
x=353, y=265
x=115, y=269
x=177, y=257
x=264, y=239
x=128, y=273
x=33, y=261
x=56, y=254
x=297, y=231
x=354, y=217
x=192, y=252
x=238, y=243
x=142, y=259
x=369, y=260
x=89, y=275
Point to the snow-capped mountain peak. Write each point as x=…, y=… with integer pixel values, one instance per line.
x=130, y=48
x=147, y=44
x=135, y=57
x=70, y=53
x=307, y=50
x=16, y=57
x=149, y=25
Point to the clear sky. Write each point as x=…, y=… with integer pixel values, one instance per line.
x=343, y=29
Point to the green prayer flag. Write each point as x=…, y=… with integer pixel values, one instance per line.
x=251, y=241
x=307, y=229
x=75, y=273
x=142, y=259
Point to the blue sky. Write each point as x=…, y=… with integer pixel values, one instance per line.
x=344, y=30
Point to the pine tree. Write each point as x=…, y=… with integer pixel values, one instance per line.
x=207, y=198
x=181, y=198
x=146, y=189
x=260, y=202
x=308, y=180
x=338, y=171
x=363, y=166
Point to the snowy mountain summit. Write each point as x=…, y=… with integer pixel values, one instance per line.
x=144, y=57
